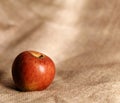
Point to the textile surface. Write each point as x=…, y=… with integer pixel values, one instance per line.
x=81, y=36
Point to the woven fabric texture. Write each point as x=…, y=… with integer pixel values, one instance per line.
x=81, y=36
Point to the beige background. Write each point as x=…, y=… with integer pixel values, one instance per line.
x=81, y=36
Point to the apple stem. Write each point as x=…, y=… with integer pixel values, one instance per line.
x=41, y=56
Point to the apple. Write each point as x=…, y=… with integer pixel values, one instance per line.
x=32, y=71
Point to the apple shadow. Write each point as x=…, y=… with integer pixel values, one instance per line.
x=7, y=81
x=10, y=85
x=2, y=73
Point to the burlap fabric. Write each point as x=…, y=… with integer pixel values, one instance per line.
x=81, y=36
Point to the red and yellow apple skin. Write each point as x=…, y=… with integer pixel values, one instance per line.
x=32, y=71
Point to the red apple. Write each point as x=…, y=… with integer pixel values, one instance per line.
x=32, y=71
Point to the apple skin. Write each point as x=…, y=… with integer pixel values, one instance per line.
x=32, y=71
